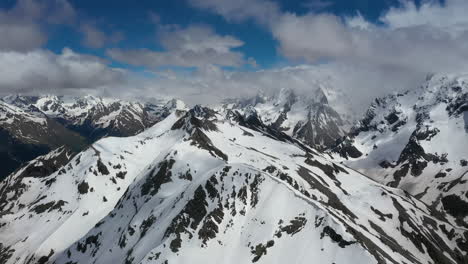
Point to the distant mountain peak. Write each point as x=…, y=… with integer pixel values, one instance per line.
x=307, y=117
x=175, y=104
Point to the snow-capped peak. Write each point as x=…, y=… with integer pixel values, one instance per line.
x=285, y=98
x=175, y=104
x=307, y=117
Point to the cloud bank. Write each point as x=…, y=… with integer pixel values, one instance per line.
x=410, y=42
x=42, y=71
x=354, y=59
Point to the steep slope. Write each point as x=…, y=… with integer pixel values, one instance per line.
x=26, y=134
x=95, y=117
x=200, y=188
x=307, y=118
x=33, y=125
x=418, y=141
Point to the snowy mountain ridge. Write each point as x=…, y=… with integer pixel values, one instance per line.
x=252, y=181
x=205, y=187
x=417, y=141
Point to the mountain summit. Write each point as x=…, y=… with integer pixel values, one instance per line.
x=307, y=118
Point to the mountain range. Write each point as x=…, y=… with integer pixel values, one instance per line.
x=268, y=179
x=34, y=125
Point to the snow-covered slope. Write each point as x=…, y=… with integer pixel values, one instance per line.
x=33, y=125
x=95, y=117
x=307, y=118
x=26, y=133
x=29, y=124
x=201, y=188
x=418, y=141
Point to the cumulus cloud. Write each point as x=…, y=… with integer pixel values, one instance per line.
x=21, y=26
x=450, y=17
x=410, y=42
x=416, y=39
x=312, y=37
x=194, y=46
x=418, y=49
x=427, y=38
x=44, y=71
x=24, y=26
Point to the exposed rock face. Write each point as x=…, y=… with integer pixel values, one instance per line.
x=417, y=141
x=95, y=117
x=203, y=188
x=31, y=125
x=28, y=133
x=307, y=118
x=36, y=170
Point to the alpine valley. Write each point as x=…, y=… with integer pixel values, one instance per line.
x=283, y=178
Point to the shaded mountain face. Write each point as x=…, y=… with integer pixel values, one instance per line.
x=28, y=133
x=417, y=141
x=32, y=126
x=95, y=117
x=307, y=118
x=207, y=187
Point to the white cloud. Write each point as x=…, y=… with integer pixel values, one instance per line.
x=450, y=17
x=40, y=71
x=312, y=37
x=264, y=12
x=194, y=46
x=350, y=89
x=417, y=40
x=21, y=37
x=197, y=38
x=21, y=26
x=357, y=59
x=411, y=42
x=418, y=49
x=358, y=21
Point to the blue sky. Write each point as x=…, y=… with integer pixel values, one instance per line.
x=132, y=19
x=205, y=50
